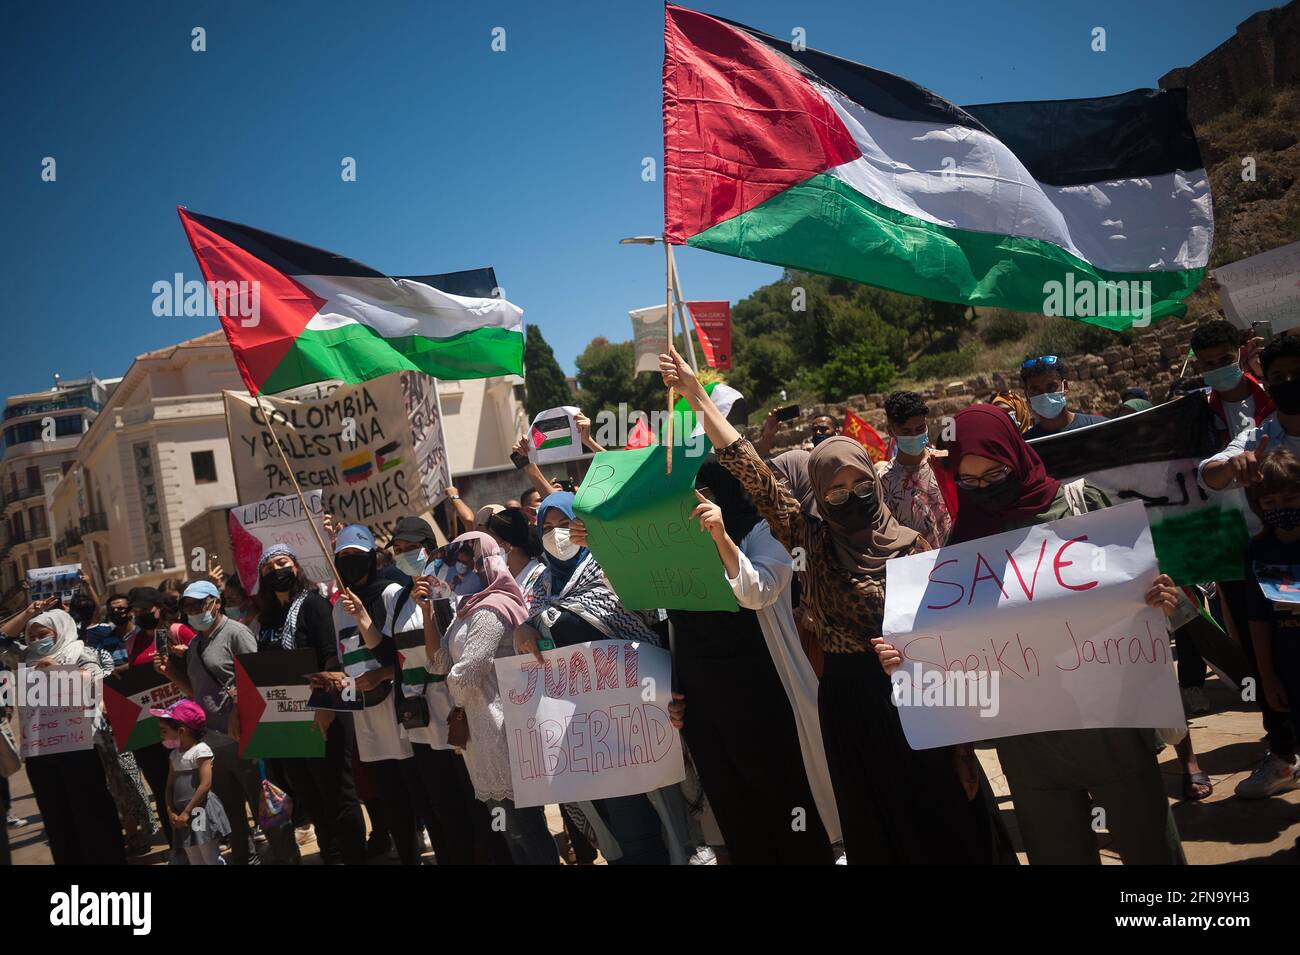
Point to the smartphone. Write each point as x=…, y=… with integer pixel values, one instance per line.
x=1262, y=330
x=162, y=641
x=520, y=461
x=788, y=413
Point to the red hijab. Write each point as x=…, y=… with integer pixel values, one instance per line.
x=988, y=431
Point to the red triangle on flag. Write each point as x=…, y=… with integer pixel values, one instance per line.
x=251, y=705
x=122, y=712
x=640, y=436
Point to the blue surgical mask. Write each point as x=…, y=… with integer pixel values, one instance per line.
x=462, y=568
x=1223, y=379
x=911, y=443
x=42, y=647
x=201, y=621
x=411, y=562
x=1048, y=405
x=234, y=613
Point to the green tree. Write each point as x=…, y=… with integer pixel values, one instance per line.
x=546, y=386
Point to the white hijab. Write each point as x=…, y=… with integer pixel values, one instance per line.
x=68, y=648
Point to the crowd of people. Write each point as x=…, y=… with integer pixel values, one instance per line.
x=819, y=771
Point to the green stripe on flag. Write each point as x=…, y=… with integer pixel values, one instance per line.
x=824, y=225
x=144, y=733
x=563, y=441
x=359, y=655
x=284, y=739
x=1203, y=545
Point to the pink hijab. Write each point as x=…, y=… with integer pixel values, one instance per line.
x=501, y=594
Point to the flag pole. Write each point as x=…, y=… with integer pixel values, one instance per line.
x=681, y=301
x=668, y=314
x=329, y=557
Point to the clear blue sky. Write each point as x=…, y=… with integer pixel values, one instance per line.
x=527, y=160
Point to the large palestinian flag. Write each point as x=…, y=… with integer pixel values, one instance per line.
x=128, y=697
x=273, y=691
x=1151, y=456
x=321, y=316
x=805, y=160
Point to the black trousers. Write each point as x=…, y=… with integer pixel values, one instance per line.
x=154, y=762
x=898, y=806
x=393, y=778
x=325, y=788
x=78, y=813
x=460, y=827
x=1278, y=729
x=742, y=736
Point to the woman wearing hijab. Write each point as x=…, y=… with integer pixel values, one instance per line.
x=896, y=805
x=293, y=615
x=511, y=530
x=481, y=632
x=1056, y=777
x=583, y=607
x=77, y=810
x=757, y=770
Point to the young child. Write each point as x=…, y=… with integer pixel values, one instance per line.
x=198, y=819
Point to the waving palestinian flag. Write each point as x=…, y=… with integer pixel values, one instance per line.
x=128, y=697
x=317, y=316
x=273, y=691
x=805, y=160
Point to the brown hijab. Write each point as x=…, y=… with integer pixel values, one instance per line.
x=792, y=468
x=860, y=551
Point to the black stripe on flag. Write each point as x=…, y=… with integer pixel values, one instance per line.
x=1183, y=428
x=135, y=680
x=279, y=667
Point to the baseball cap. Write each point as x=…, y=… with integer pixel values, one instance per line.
x=142, y=598
x=186, y=712
x=413, y=529
x=200, y=590
x=354, y=537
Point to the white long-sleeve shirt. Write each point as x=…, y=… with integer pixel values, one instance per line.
x=762, y=584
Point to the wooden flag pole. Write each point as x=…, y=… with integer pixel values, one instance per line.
x=681, y=303
x=327, y=551
x=668, y=314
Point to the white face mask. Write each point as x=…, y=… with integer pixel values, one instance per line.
x=411, y=562
x=557, y=543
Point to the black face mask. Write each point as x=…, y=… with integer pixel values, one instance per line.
x=855, y=513
x=1286, y=395
x=355, y=567
x=279, y=581
x=819, y=438
x=146, y=621
x=996, y=497
x=119, y=616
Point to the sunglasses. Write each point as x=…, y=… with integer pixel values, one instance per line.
x=841, y=494
x=996, y=476
x=1042, y=361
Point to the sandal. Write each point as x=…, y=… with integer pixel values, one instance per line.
x=1196, y=779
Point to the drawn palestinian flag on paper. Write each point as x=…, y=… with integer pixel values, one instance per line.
x=128, y=696
x=385, y=456
x=412, y=660
x=805, y=160
x=321, y=316
x=1152, y=456
x=552, y=432
x=273, y=717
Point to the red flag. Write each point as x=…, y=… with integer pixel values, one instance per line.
x=861, y=432
x=713, y=328
x=640, y=436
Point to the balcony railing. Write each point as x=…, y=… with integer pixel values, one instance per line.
x=94, y=522
x=24, y=493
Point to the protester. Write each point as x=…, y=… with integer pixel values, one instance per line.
x=480, y=633
x=530, y=499
x=1237, y=398
x=896, y=805
x=823, y=426
x=77, y=811
x=1055, y=777
x=198, y=818
x=523, y=551
x=1046, y=388
x=113, y=635
x=1016, y=407
x=294, y=615
x=918, y=492
x=756, y=771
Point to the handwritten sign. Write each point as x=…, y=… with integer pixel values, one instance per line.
x=639, y=527
x=590, y=722
x=1264, y=287
x=1043, y=628
x=46, y=729
x=279, y=520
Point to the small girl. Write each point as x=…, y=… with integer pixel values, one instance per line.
x=198, y=819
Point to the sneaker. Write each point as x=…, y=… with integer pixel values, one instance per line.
x=1271, y=776
x=703, y=856
x=1195, y=702
x=259, y=837
x=15, y=822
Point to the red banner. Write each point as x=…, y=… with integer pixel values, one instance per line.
x=861, y=432
x=713, y=327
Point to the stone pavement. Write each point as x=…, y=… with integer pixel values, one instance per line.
x=1220, y=830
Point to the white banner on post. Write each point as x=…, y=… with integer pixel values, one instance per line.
x=1044, y=628
x=591, y=723
x=649, y=336
x=279, y=520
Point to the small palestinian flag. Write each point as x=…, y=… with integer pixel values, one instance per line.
x=1151, y=456
x=552, y=432
x=725, y=398
x=1095, y=209
x=412, y=659
x=386, y=457
x=273, y=689
x=128, y=696
x=860, y=431
x=294, y=314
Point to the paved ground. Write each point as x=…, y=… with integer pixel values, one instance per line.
x=1222, y=829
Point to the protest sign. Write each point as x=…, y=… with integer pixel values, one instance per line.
x=649, y=336
x=274, y=719
x=356, y=444
x=1151, y=456
x=47, y=729
x=424, y=415
x=553, y=436
x=1279, y=583
x=590, y=722
x=62, y=581
x=1264, y=287
x=1037, y=629
x=639, y=527
x=713, y=329
x=128, y=697
x=279, y=520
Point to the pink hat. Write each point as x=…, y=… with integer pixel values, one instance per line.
x=186, y=712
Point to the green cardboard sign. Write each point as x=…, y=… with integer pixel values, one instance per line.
x=639, y=527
